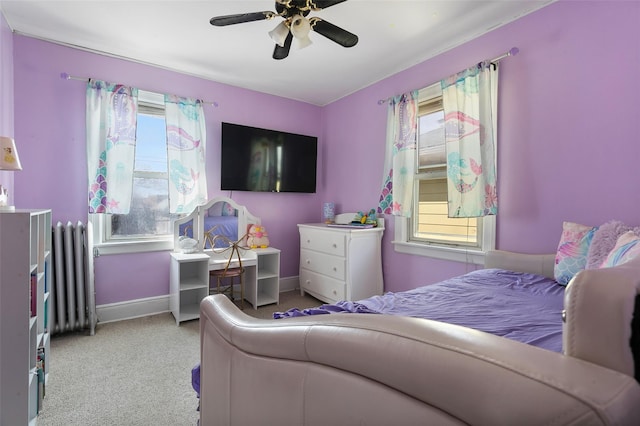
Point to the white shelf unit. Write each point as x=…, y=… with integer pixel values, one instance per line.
x=264, y=288
x=25, y=279
x=189, y=282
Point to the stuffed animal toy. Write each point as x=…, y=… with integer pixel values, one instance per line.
x=366, y=218
x=258, y=237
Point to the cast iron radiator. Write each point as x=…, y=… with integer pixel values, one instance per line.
x=73, y=305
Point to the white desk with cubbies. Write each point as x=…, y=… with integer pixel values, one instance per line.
x=189, y=279
x=189, y=272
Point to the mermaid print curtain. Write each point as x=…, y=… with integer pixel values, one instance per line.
x=469, y=102
x=399, y=164
x=111, y=111
x=186, y=139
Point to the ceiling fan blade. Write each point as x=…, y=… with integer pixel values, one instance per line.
x=335, y=33
x=221, y=21
x=323, y=4
x=282, y=52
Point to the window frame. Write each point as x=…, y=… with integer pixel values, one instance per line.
x=101, y=223
x=404, y=243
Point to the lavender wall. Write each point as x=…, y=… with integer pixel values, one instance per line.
x=567, y=137
x=568, y=150
x=6, y=96
x=50, y=125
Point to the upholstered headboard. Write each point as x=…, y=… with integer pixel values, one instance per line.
x=541, y=264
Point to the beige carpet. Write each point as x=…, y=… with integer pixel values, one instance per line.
x=133, y=372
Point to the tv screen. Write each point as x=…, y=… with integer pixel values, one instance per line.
x=255, y=159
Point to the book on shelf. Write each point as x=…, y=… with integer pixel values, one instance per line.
x=40, y=372
x=33, y=295
x=354, y=225
x=46, y=314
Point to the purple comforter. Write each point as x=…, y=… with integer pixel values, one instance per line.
x=523, y=307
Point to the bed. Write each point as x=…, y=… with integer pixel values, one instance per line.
x=218, y=216
x=371, y=368
x=520, y=306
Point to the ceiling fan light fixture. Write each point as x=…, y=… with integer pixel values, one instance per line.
x=300, y=28
x=301, y=43
x=279, y=34
x=296, y=26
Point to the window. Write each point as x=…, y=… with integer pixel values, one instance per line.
x=148, y=225
x=429, y=231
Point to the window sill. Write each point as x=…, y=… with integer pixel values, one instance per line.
x=141, y=246
x=455, y=254
x=402, y=244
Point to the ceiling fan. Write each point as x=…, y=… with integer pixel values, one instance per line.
x=296, y=25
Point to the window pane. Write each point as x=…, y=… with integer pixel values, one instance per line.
x=151, y=145
x=433, y=222
x=149, y=216
x=431, y=150
x=149, y=213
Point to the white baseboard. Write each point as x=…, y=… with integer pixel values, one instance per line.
x=158, y=305
x=289, y=284
x=132, y=309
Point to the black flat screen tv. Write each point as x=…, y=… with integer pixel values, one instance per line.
x=263, y=160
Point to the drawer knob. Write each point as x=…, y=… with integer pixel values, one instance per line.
x=335, y=245
x=335, y=269
x=335, y=292
x=308, y=262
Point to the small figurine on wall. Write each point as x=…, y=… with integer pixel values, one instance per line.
x=258, y=237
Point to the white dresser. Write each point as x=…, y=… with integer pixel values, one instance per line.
x=340, y=263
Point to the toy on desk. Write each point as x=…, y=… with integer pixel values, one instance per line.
x=187, y=245
x=366, y=219
x=258, y=237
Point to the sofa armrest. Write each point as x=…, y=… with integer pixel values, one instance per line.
x=541, y=264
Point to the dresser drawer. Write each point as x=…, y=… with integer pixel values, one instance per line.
x=323, y=241
x=321, y=286
x=333, y=266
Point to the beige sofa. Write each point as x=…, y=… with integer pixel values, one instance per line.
x=359, y=369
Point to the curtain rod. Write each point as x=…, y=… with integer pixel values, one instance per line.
x=512, y=52
x=66, y=76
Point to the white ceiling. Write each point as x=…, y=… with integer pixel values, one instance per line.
x=393, y=36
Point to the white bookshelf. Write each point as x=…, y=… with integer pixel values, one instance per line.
x=25, y=280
